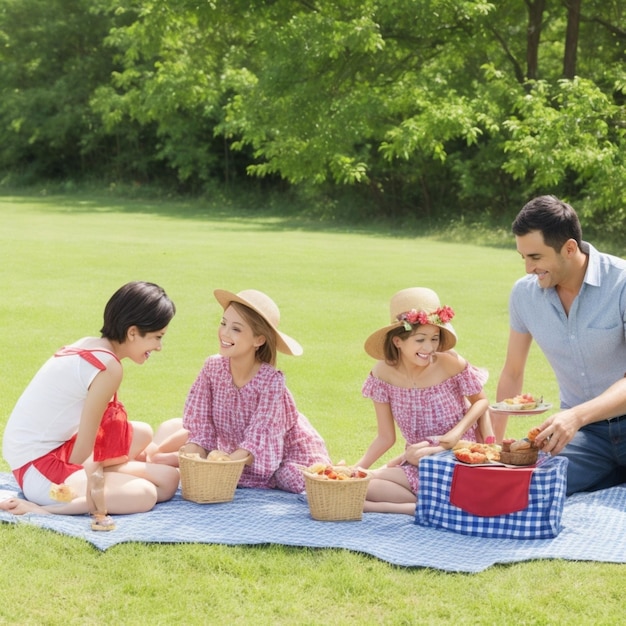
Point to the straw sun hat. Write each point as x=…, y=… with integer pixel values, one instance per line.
x=267, y=309
x=409, y=308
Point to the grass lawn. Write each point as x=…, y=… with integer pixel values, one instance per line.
x=62, y=258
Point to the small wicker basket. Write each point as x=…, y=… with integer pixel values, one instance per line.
x=336, y=500
x=205, y=482
x=521, y=457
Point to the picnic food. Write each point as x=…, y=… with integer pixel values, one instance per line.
x=214, y=455
x=520, y=451
x=476, y=453
x=321, y=471
x=521, y=402
x=62, y=493
x=218, y=455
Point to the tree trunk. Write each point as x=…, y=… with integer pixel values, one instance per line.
x=571, y=38
x=533, y=35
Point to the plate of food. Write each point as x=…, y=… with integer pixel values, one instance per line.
x=522, y=404
x=476, y=454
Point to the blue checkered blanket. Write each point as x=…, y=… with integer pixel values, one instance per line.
x=593, y=529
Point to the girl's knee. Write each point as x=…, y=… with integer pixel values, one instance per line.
x=142, y=437
x=168, y=483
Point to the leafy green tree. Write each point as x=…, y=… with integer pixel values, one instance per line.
x=424, y=106
x=49, y=62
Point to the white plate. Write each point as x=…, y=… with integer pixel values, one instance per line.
x=501, y=409
x=490, y=464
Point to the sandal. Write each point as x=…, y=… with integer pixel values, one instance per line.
x=102, y=521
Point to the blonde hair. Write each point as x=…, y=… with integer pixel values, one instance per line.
x=265, y=353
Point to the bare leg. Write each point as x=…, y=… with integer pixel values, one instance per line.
x=167, y=429
x=142, y=438
x=389, y=492
x=168, y=440
x=78, y=506
x=389, y=507
x=133, y=487
x=163, y=478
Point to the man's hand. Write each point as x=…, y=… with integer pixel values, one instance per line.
x=558, y=430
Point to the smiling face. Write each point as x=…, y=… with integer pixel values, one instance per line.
x=550, y=267
x=138, y=347
x=236, y=337
x=419, y=347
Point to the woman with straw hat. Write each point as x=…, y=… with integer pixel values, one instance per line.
x=419, y=383
x=240, y=404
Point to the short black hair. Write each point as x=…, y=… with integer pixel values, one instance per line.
x=556, y=220
x=138, y=303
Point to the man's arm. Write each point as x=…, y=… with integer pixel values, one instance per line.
x=511, y=379
x=559, y=429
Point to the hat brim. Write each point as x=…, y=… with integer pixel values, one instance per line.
x=284, y=343
x=375, y=343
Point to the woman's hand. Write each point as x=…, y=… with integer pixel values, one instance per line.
x=450, y=439
x=417, y=451
x=194, y=448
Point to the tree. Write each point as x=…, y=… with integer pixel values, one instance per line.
x=571, y=38
x=49, y=62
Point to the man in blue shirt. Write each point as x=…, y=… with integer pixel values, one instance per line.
x=573, y=304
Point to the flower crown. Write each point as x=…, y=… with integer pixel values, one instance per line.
x=439, y=317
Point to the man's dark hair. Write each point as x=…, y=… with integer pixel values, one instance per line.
x=556, y=220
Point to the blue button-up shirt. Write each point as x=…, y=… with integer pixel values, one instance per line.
x=587, y=348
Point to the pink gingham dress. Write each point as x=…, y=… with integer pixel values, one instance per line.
x=427, y=413
x=260, y=417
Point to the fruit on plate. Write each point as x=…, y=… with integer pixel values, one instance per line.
x=521, y=402
x=321, y=471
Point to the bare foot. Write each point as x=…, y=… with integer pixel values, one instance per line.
x=17, y=506
x=165, y=458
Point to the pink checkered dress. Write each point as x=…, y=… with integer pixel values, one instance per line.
x=427, y=413
x=260, y=417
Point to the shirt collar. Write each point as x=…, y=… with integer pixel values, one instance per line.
x=592, y=275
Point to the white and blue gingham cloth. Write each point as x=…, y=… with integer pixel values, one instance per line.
x=540, y=520
x=594, y=529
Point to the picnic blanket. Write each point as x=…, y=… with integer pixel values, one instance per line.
x=594, y=529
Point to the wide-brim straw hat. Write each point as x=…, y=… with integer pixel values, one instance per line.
x=404, y=301
x=267, y=309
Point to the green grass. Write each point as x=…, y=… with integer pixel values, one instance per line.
x=63, y=256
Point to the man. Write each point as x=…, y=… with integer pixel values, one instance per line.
x=573, y=304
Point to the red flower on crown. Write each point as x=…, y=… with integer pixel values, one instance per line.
x=439, y=317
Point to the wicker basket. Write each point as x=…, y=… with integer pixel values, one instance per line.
x=205, y=481
x=336, y=500
x=521, y=457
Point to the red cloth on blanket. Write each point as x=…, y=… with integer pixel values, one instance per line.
x=490, y=491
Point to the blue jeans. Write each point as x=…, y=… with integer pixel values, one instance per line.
x=597, y=456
